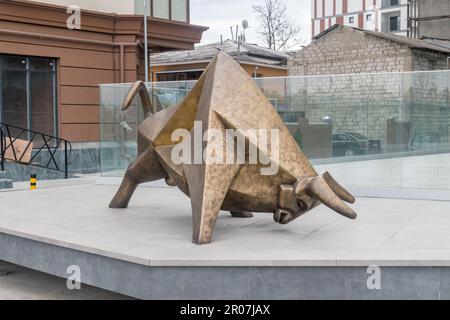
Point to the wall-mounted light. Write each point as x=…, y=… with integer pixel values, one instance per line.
x=255, y=72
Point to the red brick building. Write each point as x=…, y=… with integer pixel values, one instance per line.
x=49, y=75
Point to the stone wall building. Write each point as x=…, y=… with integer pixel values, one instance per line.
x=345, y=50
x=357, y=78
x=430, y=19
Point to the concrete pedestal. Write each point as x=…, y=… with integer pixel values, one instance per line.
x=146, y=250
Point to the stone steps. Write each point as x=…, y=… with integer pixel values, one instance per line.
x=5, y=183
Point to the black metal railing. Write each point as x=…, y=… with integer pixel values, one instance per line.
x=34, y=146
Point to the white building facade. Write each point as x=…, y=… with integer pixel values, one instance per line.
x=376, y=15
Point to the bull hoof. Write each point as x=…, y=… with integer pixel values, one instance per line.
x=241, y=214
x=118, y=204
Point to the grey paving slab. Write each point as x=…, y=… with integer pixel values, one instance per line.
x=156, y=230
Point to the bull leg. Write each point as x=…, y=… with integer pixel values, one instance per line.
x=126, y=190
x=241, y=214
x=145, y=168
x=204, y=221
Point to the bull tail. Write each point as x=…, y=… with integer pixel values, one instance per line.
x=139, y=87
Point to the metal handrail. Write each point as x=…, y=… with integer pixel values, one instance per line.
x=51, y=144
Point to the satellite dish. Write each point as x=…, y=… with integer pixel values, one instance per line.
x=245, y=24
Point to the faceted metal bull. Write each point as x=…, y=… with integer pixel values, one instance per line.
x=225, y=98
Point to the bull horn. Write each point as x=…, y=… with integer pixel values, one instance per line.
x=338, y=189
x=318, y=188
x=139, y=87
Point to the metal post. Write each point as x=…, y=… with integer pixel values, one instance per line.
x=33, y=181
x=288, y=107
x=146, y=40
x=408, y=6
x=2, y=149
x=29, y=100
x=66, y=169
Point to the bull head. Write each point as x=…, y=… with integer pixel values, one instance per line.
x=295, y=200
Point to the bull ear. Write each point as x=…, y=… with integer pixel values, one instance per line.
x=338, y=189
x=318, y=188
x=139, y=87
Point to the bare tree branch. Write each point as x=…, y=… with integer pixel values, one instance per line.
x=277, y=29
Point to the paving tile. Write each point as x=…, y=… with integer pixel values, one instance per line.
x=156, y=229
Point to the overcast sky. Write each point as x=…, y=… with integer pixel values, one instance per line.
x=219, y=15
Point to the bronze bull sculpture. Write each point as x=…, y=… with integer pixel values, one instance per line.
x=225, y=98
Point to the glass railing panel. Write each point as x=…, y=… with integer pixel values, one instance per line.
x=369, y=130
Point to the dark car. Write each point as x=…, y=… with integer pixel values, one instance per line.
x=425, y=141
x=349, y=144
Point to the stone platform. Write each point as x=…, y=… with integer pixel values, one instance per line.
x=5, y=183
x=146, y=250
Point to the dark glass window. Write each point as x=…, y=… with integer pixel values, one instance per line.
x=340, y=137
x=179, y=76
x=28, y=93
x=394, y=23
x=390, y=3
x=14, y=63
x=14, y=100
x=42, y=96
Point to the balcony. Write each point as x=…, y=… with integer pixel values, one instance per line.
x=390, y=3
x=391, y=24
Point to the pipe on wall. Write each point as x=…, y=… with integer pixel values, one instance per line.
x=122, y=63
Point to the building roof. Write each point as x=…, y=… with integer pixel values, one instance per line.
x=243, y=52
x=428, y=44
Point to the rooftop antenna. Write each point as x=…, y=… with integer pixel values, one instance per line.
x=245, y=26
x=221, y=40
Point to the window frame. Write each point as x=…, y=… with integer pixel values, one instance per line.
x=186, y=8
x=28, y=70
x=397, y=23
x=338, y=136
x=188, y=11
x=169, y=13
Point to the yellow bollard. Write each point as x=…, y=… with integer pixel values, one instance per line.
x=33, y=182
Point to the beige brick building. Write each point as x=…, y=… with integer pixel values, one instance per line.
x=355, y=77
x=346, y=50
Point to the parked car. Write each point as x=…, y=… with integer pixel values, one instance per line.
x=424, y=141
x=349, y=144
x=375, y=146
